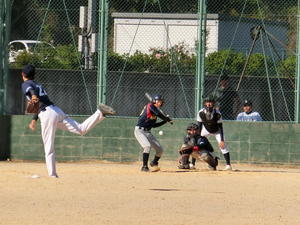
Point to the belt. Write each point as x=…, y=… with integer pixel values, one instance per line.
x=144, y=128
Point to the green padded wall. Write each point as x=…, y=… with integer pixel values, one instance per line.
x=113, y=140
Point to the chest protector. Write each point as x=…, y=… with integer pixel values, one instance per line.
x=210, y=121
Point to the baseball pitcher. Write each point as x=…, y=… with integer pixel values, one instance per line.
x=52, y=117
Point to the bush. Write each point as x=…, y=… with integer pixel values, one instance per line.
x=234, y=62
x=287, y=68
x=62, y=57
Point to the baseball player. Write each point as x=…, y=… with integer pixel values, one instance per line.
x=210, y=123
x=52, y=117
x=248, y=114
x=197, y=146
x=148, y=120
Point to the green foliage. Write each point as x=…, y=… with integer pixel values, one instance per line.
x=61, y=57
x=216, y=60
x=287, y=68
x=256, y=65
x=175, y=60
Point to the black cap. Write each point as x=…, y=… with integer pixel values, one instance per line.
x=247, y=103
x=29, y=71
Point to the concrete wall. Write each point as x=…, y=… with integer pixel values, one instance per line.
x=113, y=140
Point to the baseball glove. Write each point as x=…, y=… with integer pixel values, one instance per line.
x=32, y=107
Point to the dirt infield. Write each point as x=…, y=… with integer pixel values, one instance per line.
x=119, y=194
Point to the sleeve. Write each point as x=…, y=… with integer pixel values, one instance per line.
x=156, y=112
x=159, y=124
x=239, y=117
x=258, y=117
x=35, y=117
x=28, y=90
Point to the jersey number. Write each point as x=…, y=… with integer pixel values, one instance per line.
x=42, y=92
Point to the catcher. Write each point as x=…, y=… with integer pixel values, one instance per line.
x=198, y=147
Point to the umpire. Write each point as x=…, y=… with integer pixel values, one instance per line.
x=148, y=120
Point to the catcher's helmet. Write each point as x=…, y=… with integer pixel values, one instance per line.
x=192, y=126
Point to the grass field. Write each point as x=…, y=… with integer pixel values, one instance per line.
x=119, y=194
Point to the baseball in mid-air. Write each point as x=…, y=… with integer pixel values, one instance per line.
x=161, y=132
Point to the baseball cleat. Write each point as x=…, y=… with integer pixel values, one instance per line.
x=152, y=164
x=106, y=110
x=145, y=169
x=181, y=166
x=155, y=169
x=192, y=166
x=228, y=167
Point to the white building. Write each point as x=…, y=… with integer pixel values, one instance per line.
x=141, y=32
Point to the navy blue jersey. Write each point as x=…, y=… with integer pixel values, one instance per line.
x=149, y=116
x=30, y=87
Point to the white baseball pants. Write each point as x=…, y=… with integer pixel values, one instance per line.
x=148, y=140
x=205, y=133
x=51, y=119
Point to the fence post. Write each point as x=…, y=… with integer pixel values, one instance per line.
x=4, y=37
x=102, y=51
x=297, y=97
x=200, y=72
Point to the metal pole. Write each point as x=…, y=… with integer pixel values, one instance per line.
x=4, y=37
x=200, y=72
x=297, y=94
x=91, y=28
x=102, y=51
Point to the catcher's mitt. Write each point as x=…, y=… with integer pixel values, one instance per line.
x=32, y=107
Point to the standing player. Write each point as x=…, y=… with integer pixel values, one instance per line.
x=52, y=117
x=210, y=123
x=142, y=131
x=248, y=114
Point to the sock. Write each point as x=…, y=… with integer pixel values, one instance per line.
x=145, y=159
x=155, y=160
x=227, y=158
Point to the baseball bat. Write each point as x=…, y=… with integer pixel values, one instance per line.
x=149, y=97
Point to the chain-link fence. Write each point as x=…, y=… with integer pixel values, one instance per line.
x=254, y=58
x=152, y=46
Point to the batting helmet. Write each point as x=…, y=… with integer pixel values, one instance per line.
x=157, y=97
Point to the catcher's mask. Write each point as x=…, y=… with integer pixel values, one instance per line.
x=211, y=100
x=192, y=126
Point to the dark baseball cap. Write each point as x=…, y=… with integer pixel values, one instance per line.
x=247, y=103
x=29, y=71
